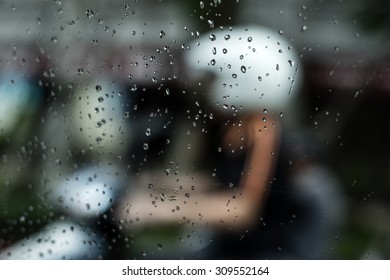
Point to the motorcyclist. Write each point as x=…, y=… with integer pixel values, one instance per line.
x=253, y=201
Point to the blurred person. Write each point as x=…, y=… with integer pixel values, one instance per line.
x=86, y=133
x=81, y=171
x=21, y=94
x=262, y=197
x=22, y=102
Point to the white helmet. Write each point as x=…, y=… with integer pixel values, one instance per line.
x=98, y=117
x=61, y=240
x=90, y=191
x=255, y=68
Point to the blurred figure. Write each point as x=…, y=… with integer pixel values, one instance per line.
x=20, y=99
x=259, y=199
x=22, y=102
x=81, y=172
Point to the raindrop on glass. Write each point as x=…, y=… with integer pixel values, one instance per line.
x=212, y=37
x=89, y=13
x=148, y=132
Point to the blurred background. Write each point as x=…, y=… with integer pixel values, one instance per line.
x=67, y=67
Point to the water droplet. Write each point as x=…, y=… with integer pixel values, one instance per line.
x=146, y=146
x=249, y=39
x=148, y=132
x=303, y=28
x=243, y=69
x=212, y=37
x=201, y=4
x=234, y=76
x=227, y=37
x=259, y=78
x=90, y=13
x=212, y=62
x=54, y=39
x=224, y=50
x=211, y=23
x=98, y=88
x=214, y=50
x=162, y=34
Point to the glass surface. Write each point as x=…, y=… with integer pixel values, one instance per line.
x=167, y=129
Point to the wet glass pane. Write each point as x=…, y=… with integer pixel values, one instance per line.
x=167, y=129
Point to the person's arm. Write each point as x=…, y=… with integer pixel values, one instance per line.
x=224, y=209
